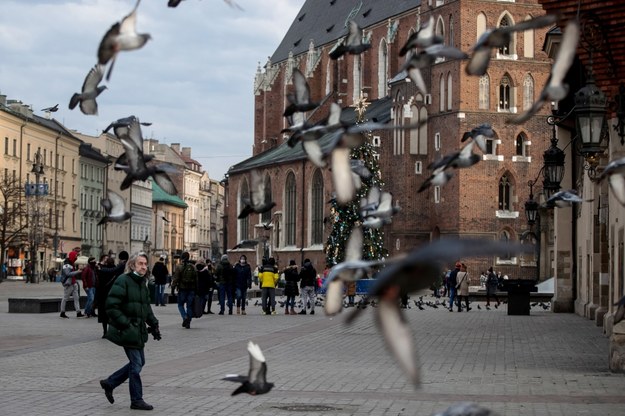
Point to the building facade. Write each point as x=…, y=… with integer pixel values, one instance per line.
x=484, y=201
x=93, y=166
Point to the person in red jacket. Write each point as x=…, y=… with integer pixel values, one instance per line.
x=88, y=284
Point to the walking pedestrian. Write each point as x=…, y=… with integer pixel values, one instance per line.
x=185, y=280
x=224, y=279
x=70, y=288
x=462, y=287
x=291, y=278
x=203, y=283
x=242, y=282
x=268, y=280
x=107, y=272
x=129, y=310
x=88, y=284
x=308, y=283
x=492, y=283
x=211, y=286
x=160, y=273
x=452, y=281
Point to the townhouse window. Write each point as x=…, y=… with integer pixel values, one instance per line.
x=290, y=205
x=6, y=145
x=317, y=208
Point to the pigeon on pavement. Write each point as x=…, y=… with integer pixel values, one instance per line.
x=122, y=36
x=89, y=92
x=256, y=380
x=114, y=208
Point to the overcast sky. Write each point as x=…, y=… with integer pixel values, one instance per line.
x=194, y=79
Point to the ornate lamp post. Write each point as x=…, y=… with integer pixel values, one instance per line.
x=553, y=158
x=37, y=191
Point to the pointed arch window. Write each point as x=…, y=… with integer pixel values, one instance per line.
x=290, y=209
x=382, y=68
x=449, y=91
x=440, y=28
x=505, y=193
x=317, y=208
x=423, y=131
x=244, y=223
x=528, y=91
x=521, y=145
x=266, y=216
x=504, y=94
x=505, y=238
x=484, y=92
x=480, y=24
x=357, y=77
x=506, y=48
x=528, y=41
x=451, y=31
x=441, y=93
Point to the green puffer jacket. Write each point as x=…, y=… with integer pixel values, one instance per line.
x=128, y=309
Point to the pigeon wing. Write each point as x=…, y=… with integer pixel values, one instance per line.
x=342, y=175
x=164, y=181
x=117, y=204
x=258, y=366
x=128, y=24
x=257, y=189
x=617, y=185
x=302, y=90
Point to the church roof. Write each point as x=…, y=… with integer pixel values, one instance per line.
x=378, y=110
x=325, y=21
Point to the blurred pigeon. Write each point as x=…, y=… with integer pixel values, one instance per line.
x=439, y=177
x=425, y=58
x=555, y=89
x=563, y=199
x=479, y=135
x=134, y=163
x=615, y=173
x=256, y=380
x=463, y=158
x=377, y=208
x=423, y=38
x=114, y=209
x=90, y=90
x=620, y=310
x=122, y=36
x=246, y=244
x=300, y=100
x=52, y=109
x=335, y=280
x=352, y=44
x=120, y=127
x=257, y=201
x=467, y=409
x=498, y=37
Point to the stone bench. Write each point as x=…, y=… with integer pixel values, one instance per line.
x=42, y=305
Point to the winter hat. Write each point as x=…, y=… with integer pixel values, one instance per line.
x=224, y=257
x=185, y=256
x=291, y=262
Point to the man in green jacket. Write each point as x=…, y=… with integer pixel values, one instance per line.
x=128, y=309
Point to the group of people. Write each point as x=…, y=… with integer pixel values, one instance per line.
x=456, y=285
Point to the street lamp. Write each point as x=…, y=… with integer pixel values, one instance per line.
x=590, y=111
x=36, y=191
x=553, y=159
x=531, y=206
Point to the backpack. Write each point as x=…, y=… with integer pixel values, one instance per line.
x=188, y=276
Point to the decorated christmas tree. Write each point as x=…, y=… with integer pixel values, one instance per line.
x=343, y=218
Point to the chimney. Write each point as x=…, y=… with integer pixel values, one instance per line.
x=175, y=147
x=3, y=100
x=186, y=152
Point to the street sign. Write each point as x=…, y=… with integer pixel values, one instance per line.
x=36, y=189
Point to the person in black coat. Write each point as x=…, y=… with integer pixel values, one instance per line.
x=242, y=282
x=205, y=282
x=291, y=277
x=160, y=273
x=106, y=273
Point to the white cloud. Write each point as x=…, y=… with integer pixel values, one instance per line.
x=193, y=80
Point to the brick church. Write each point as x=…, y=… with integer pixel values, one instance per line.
x=485, y=201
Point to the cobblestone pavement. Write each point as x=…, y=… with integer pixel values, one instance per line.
x=542, y=364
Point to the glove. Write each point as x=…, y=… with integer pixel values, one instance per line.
x=156, y=333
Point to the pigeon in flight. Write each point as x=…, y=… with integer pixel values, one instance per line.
x=479, y=135
x=246, y=244
x=114, y=209
x=498, y=37
x=425, y=58
x=121, y=126
x=134, y=163
x=563, y=199
x=423, y=38
x=555, y=89
x=89, y=92
x=257, y=201
x=377, y=208
x=462, y=158
x=52, y=109
x=122, y=36
x=615, y=173
x=439, y=177
x=352, y=44
x=300, y=100
x=256, y=380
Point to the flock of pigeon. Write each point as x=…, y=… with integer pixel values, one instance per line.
x=404, y=274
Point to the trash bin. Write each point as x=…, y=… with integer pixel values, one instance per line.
x=519, y=295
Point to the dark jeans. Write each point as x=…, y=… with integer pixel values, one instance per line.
x=452, y=297
x=160, y=295
x=130, y=372
x=241, y=295
x=209, y=299
x=290, y=301
x=186, y=296
x=488, y=296
x=225, y=292
x=268, y=298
